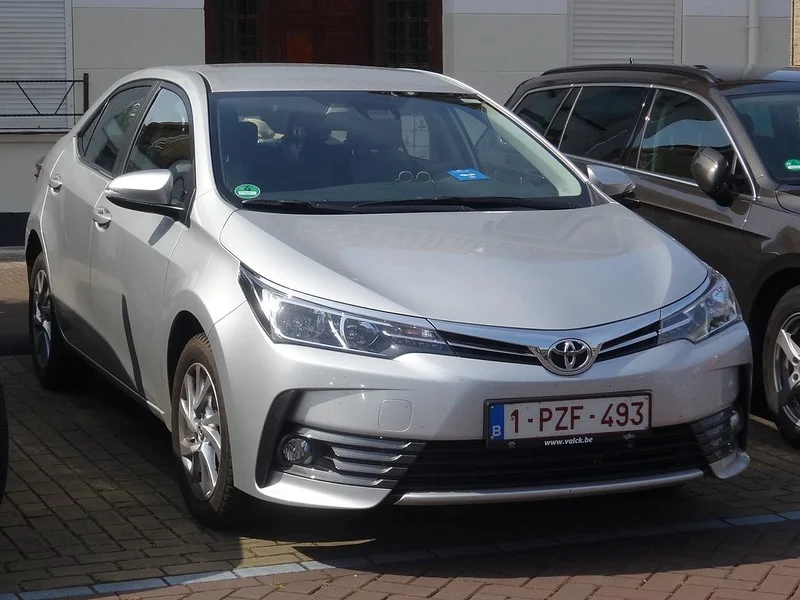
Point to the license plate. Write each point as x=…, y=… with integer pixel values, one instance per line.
x=579, y=419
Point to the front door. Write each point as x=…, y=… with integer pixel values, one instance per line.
x=130, y=250
x=322, y=31
x=666, y=194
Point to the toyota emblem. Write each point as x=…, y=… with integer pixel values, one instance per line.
x=569, y=357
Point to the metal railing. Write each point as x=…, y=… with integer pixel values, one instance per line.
x=23, y=83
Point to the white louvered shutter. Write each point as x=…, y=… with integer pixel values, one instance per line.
x=606, y=31
x=33, y=45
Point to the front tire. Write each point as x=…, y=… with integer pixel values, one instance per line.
x=53, y=363
x=781, y=366
x=200, y=437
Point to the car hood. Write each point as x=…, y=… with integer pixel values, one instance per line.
x=564, y=269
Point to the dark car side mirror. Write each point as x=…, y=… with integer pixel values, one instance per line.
x=710, y=170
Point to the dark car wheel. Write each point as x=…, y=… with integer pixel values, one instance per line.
x=781, y=365
x=200, y=437
x=55, y=366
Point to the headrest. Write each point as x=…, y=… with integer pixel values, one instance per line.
x=240, y=136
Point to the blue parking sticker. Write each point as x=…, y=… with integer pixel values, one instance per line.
x=468, y=175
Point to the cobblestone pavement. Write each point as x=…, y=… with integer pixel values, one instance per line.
x=13, y=304
x=92, y=507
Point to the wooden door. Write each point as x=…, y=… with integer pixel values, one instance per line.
x=322, y=31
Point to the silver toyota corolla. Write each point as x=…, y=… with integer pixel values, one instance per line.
x=344, y=286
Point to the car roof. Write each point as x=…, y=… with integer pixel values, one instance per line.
x=252, y=77
x=725, y=78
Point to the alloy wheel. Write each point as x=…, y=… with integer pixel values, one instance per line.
x=786, y=367
x=42, y=318
x=200, y=431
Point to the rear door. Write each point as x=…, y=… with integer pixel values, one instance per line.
x=76, y=182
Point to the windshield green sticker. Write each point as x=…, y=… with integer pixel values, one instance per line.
x=793, y=164
x=248, y=190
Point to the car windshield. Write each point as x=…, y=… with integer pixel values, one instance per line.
x=353, y=149
x=773, y=122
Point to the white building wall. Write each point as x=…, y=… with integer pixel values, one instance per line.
x=715, y=32
x=493, y=45
x=110, y=38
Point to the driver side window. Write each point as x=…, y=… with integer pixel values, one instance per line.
x=165, y=142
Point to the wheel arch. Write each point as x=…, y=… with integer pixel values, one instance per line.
x=184, y=327
x=33, y=248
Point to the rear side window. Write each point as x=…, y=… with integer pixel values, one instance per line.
x=108, y=135
x=602, y=123
x=538, y=108
x=679, y=125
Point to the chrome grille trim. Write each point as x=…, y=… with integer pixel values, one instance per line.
x=354, y=460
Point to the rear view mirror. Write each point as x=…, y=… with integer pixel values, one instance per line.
x=710, y=170
x=612, y=182
x=144, y=191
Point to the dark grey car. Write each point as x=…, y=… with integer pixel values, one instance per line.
x=715, y=156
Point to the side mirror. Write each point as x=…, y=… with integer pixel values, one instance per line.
x=144, y=191
x=710, y=170
x=612, y=182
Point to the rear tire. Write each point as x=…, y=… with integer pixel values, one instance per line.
x=200, y=438
x=55, y=366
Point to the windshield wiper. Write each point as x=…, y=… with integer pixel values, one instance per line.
x=467, y=203
x=297, y=206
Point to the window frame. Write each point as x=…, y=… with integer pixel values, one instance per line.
x=645, y=115
x=94, y=120
x=124, y=155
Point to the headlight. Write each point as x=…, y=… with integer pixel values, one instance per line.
x=296, y=321
x=714, y=311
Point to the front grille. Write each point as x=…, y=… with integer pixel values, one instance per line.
x=444, y=466
x=411, y=466
x=465, y=346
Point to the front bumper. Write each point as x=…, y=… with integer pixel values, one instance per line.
x=411, y=430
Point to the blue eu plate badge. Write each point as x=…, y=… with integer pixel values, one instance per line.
x=468, y=175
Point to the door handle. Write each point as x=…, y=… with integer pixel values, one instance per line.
x=55, y=183
x=102, y=217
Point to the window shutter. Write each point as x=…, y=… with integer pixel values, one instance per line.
x=33, y=45
x=606, y=31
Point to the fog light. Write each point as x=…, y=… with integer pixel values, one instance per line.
x=736, y=420
x=297, y=451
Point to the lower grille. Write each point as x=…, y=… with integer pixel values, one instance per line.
x=411, y=466
x=444, y=466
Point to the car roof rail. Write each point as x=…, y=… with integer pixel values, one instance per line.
x=696, y=71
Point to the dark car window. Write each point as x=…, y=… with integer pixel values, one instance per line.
x=773, y=123
x=556, y=129
x=678, y=127
x=108, y=136
x=538, y=108
x=165, y=142
x=602, y=122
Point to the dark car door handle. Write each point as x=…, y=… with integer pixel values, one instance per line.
x=55, y=183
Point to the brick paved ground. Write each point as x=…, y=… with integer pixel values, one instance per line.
x=92, y=501
x=13, y=304
x=757, y=563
